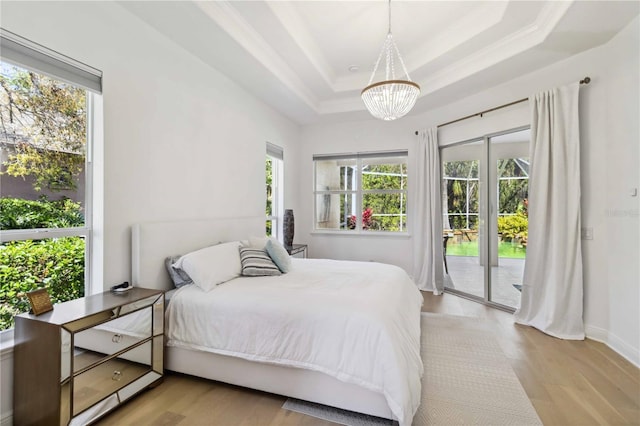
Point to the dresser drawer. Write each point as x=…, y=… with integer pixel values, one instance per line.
x=111, y=337
x=108, y=377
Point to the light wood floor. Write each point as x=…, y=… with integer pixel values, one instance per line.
x=568, y=382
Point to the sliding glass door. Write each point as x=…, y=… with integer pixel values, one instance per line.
x=484, y=198
x=462, y=221
x=509, y=162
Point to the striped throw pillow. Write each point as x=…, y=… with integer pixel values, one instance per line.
x=257, y=263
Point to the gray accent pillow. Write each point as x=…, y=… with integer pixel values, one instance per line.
x=257, y=263
x=178, y=276
x=279, y=255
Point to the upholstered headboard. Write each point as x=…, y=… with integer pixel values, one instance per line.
x=153, y=242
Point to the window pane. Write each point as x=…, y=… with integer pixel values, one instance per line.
x=17, y=213
x=335, y=211
x=44, y=146
x=461, y=186
x=513, y=185
x=336, y=175
x=269, y=183
x=270, y=228
x=56, y=264
x=274, y=192
x=461, y=169
x=384, y=212
x=384, y=173
x=375, y=191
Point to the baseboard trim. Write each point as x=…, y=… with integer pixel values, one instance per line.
x=616, y=344
x=7, y=419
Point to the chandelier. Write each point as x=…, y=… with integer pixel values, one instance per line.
x=391, y=98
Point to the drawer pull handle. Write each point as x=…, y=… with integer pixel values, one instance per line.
x=116, y=376
x=116, y=338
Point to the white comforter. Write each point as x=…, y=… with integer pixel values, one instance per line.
x=356, y=321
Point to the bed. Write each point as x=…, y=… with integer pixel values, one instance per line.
x=328, y=347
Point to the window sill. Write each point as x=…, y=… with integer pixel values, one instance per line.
x=403, y=235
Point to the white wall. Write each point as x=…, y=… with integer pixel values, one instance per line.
x=180, y=139
x=621, y=215
x=609, y=162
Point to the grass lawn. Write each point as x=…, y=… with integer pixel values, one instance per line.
x=471, y=249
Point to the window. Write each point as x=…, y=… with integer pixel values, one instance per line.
x=274, y=181
x=46, y=101
x=461, y=194
x=361, y=192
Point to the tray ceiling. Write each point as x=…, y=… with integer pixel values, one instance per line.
x=311, y=59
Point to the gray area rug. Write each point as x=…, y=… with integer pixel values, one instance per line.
x=335, y=415
x=468, y=381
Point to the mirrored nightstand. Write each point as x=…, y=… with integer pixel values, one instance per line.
x=76, y=363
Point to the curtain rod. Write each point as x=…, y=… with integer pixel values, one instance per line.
x=585, y=80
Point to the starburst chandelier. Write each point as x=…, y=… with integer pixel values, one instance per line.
x=391, y=98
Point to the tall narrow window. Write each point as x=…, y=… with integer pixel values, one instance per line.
x=361, y=192
x=45, y=174
x=274, y=185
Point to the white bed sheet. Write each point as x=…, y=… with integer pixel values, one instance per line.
x=356, y=321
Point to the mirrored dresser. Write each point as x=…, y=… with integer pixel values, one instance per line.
x=76, y=363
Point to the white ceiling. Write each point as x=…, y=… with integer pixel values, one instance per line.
x=296, y=55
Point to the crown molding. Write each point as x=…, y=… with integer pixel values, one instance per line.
x=291, y=22
x=511, y=45
x=225, y=16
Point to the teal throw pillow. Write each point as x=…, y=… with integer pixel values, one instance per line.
x=279, y=255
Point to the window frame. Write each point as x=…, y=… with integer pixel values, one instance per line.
x=276, y=155
x=359, y=192
x=34, y=57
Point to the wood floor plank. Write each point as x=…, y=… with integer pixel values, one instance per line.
x=168, y=418
x=581, y=406
x=549, y=412
x=568, y=382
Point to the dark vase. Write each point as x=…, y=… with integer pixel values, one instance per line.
x=288, y=227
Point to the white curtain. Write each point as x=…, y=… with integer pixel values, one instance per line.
x=427, y=238
x=552, y=287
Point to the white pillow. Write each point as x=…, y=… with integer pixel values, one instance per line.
x=258, y=242
x=213, y=265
